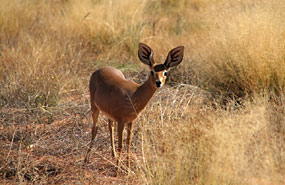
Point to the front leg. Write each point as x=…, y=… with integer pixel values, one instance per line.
x=120, y=144
x=129, y=141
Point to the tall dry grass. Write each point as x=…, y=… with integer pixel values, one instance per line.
x=243, y=53
x=234, y=50
x=195, y=144
x=41, y=58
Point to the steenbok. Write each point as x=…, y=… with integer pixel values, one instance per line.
x=122, y=100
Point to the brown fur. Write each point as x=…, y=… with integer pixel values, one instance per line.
x=122, y=100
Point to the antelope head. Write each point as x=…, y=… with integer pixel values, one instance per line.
x=159, y=71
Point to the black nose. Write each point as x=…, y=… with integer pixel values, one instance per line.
x=158, y=83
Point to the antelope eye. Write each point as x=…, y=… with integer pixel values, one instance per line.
x=164, y=73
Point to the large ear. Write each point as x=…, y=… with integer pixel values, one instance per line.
x=145, y=54
x=174, y=57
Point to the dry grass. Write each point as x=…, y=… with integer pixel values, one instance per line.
x=245, y=47
x=195, y=144
x=234, y=51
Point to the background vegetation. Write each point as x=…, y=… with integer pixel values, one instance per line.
x=221, y=119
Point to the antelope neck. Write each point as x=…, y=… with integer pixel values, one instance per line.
x=143, y=94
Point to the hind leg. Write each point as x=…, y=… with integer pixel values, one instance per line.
x=95, y=114
x=111, y=129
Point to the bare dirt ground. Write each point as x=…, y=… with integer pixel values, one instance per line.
x=43, y=146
